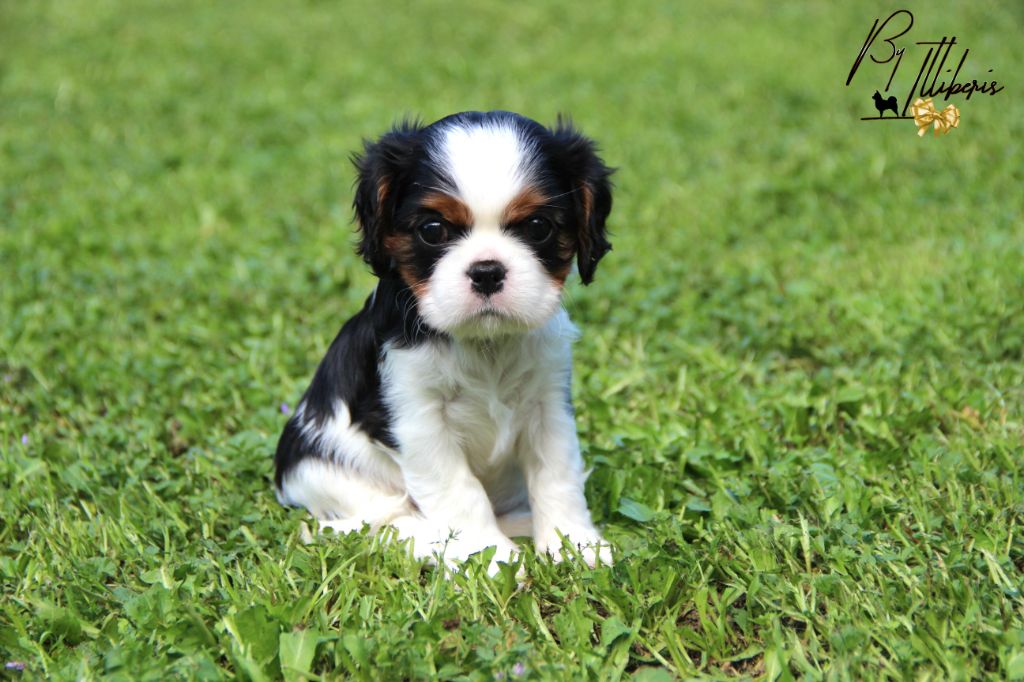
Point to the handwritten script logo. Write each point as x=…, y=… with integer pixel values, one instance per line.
x=930, y=82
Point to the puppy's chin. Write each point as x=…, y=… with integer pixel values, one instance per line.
x=482, y=320
x=490, y=324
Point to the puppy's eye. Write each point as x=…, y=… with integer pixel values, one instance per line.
x=433, y=233
x=538, y=230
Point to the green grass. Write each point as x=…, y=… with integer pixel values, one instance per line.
x=800, y=384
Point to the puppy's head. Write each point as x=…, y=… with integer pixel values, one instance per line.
x=481, y=215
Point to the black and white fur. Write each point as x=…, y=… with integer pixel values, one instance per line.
x=442, y=407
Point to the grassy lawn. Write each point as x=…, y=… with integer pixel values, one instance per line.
x=800, y=383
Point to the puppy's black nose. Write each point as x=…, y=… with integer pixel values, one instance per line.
x=487, y=276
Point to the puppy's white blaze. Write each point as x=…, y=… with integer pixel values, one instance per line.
x=489, y=164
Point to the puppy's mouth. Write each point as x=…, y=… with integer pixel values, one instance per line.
x=490, y=311
x=489, y=320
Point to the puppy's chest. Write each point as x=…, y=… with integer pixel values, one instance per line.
x=489, y=400
x=486, y=399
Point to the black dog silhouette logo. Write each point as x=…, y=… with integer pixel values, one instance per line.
x=884, y=105
x=936, y=80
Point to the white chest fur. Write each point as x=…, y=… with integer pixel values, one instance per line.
x=484, y=396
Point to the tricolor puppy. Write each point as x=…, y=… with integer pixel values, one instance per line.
x=442, y=408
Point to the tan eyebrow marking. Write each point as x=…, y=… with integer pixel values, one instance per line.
x=523, y=206
x=451, y=208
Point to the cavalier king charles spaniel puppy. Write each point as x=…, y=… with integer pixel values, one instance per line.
x=442, y=408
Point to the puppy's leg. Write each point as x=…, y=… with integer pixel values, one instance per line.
x=346, y=501
x=517, y=524
x=340, y=498
x=448, y=495
x=551, y=459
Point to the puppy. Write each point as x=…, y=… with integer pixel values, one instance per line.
x=442, y=408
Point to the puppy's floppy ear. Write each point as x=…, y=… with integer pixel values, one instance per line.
x=381, y=169
x=576, y=156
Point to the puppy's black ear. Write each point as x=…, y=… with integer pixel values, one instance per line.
x=382, y=168
x=576, y=156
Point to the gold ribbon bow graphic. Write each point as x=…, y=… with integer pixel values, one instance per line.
x=925, y=115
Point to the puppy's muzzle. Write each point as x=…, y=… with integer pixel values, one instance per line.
x=488, y=276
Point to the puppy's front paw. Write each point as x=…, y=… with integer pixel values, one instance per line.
x=341, y=526
x=596, y=553
x=589, y=544
x=457, y=550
